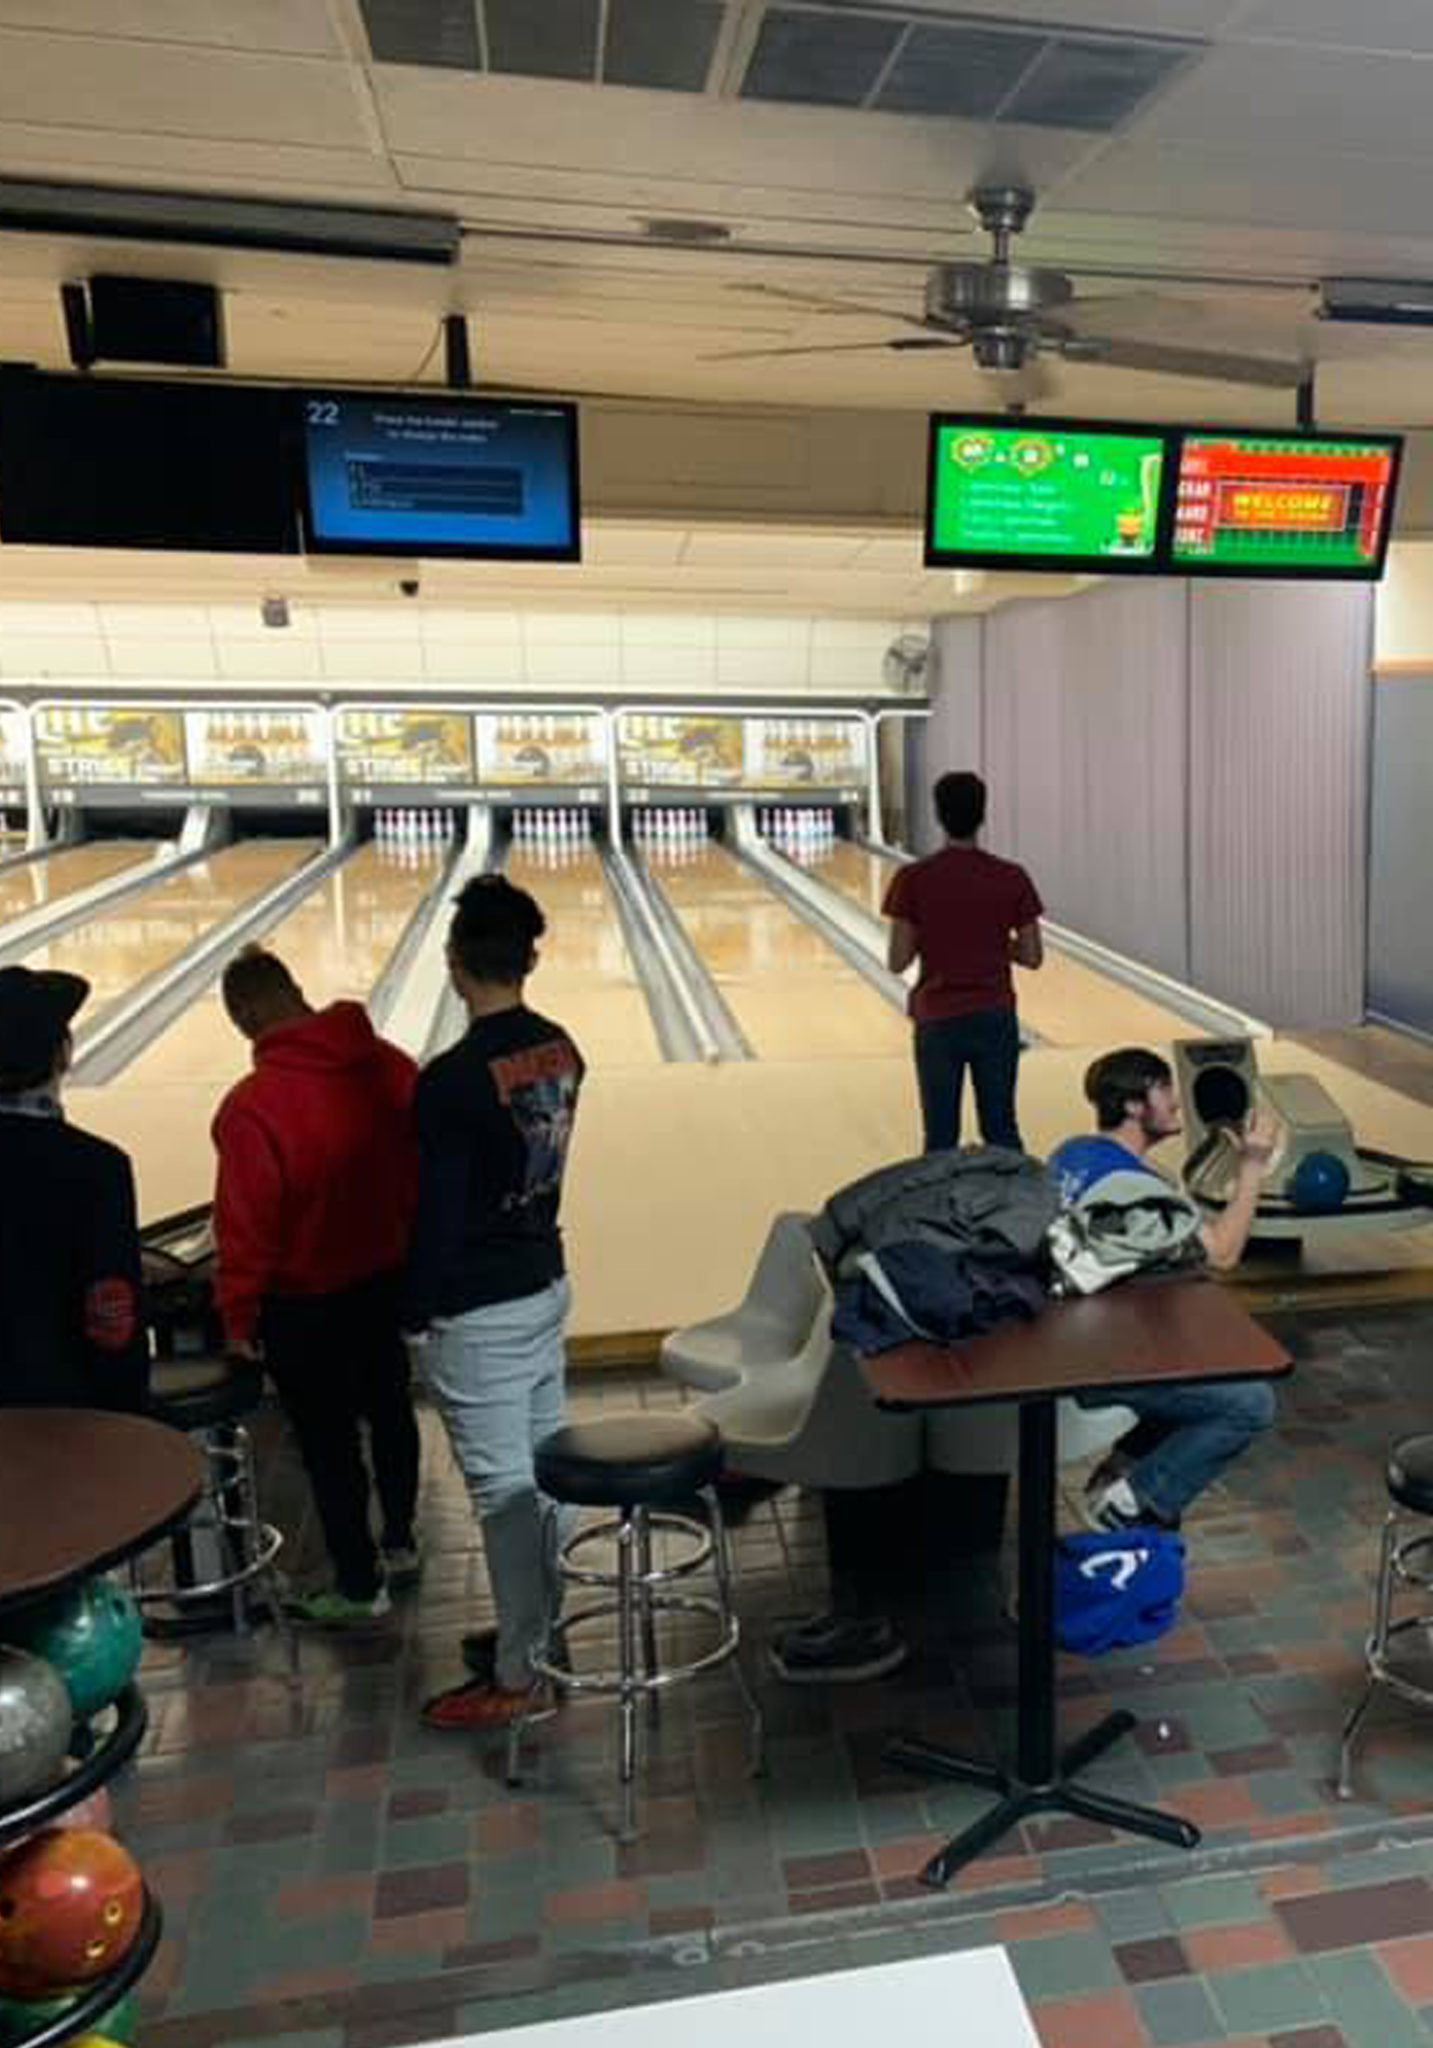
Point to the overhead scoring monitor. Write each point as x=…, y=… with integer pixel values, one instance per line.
x=1075, y=495
x=407, y=471
x=1270, y=504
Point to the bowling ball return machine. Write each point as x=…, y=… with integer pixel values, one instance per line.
x=1320, y=1184
x=223, y=1557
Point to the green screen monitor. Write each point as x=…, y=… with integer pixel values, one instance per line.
x=1294, y=505
x=1083, y=496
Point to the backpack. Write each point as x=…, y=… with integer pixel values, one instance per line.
x=1118, y=1588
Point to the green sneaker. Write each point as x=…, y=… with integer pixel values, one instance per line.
x=336, y=1610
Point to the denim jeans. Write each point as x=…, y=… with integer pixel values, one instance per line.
x=988, y=1042
x=497, y=1376
x=1187, y=1435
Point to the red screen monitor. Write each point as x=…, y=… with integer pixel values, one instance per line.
x=1296, y=505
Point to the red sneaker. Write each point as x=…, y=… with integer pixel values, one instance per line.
x=480, y=1704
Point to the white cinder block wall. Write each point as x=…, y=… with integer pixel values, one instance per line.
x=176, y=649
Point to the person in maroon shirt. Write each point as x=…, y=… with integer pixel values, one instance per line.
x=965, y=916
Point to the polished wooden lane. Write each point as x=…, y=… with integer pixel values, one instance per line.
x=119, y=945
x=794, y=997
x=1065, y=1003
x=35, y=884
x=584, y=978
x=336, y=943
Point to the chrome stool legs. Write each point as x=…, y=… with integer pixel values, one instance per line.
x=1407, y=1563
x=641, y=1597
x=248, y=1547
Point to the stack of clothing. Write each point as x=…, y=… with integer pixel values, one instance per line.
x=942, y=1247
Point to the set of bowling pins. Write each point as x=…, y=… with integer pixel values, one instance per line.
x=800, y=833
x=543, y=825
x=669, y=828
x=422, y=827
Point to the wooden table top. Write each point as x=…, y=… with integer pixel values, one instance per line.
x=81, y=1489
x=1131, y=1335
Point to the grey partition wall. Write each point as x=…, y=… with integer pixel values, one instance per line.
x=1400, y=878
x=1085, y=750
x=1278, y=770
x=1183, y=769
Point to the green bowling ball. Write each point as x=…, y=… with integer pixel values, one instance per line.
x=19, y=2018
x=92, y=1637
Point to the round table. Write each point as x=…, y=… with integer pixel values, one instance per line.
x=81, y=1489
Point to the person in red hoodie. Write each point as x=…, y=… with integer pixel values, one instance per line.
x=317, y=1181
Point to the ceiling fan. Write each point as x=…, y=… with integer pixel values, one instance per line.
x=1009, y=315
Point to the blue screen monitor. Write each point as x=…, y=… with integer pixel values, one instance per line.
x=408, y=472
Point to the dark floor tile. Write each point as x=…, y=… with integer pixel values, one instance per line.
x=1360, y=1915
x=1310, y=2037
x=808, y=1873
x=421, y=1890
x=1254, y=1756
x=1145, y=1962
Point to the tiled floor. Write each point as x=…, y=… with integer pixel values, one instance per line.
x=338, y=1877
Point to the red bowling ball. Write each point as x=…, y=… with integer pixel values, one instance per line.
x=71, y=1901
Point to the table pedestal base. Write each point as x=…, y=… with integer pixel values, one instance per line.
x=1019, y=1800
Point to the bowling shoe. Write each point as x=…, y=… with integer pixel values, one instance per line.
x=336, y=1610
x=477, y=1705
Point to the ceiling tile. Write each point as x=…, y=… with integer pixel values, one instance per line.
x=1403, y=25
x=1306, y=102
x=297, y=27
x=171, y=91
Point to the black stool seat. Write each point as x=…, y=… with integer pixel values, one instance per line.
x=629, y=1460
x=1410, y=1474
x=201, y=1393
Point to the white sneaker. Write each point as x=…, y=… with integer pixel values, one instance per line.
x=1113, y=1507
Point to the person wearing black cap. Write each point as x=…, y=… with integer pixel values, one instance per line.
x=71, y=1331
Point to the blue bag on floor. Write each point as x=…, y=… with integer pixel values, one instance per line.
x=1115, y=1590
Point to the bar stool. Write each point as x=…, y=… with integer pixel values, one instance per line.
x=1406, y=1561
x=646, y=1467
x=208, y=1398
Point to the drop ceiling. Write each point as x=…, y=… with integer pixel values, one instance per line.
x=1236, y=149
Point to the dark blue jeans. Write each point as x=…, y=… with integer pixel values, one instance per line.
x=988, y=1043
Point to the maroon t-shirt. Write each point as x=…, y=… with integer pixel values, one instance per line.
x=964, y=904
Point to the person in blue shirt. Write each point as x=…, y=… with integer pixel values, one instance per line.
x=1186, y=1435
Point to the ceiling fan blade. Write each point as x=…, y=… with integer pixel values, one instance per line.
x=817, y=348
x=1112, y=306
x=1169, y=361
x=824, y=305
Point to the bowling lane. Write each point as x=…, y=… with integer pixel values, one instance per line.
x=337, y=942
x=119, y=946
x=1065, y=1003
x=584, y=977
x=794, y=997
x=36, y=883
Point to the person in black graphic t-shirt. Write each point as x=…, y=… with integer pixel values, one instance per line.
x=487, y=1294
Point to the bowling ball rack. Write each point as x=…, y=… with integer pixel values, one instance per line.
x=101, y=1748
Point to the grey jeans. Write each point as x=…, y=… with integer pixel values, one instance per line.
x=497, y=1375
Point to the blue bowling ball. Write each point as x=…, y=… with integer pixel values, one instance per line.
x=1318, y=1185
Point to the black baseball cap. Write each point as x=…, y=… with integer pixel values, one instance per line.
x=35, y=1013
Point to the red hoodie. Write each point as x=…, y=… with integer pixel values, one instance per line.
x=318, y=1164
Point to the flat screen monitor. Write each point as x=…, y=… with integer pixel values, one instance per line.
x=1294, y=505
x=143, y=463
x=394, y=472
x=1077, y=495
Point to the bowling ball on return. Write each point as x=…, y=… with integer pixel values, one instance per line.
x=92, y=1636
x=35, y=1723
x=71, y=1902
x=20, y=2018
x=1318, y=1185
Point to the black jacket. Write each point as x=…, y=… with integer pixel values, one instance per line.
x=71, y=1329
